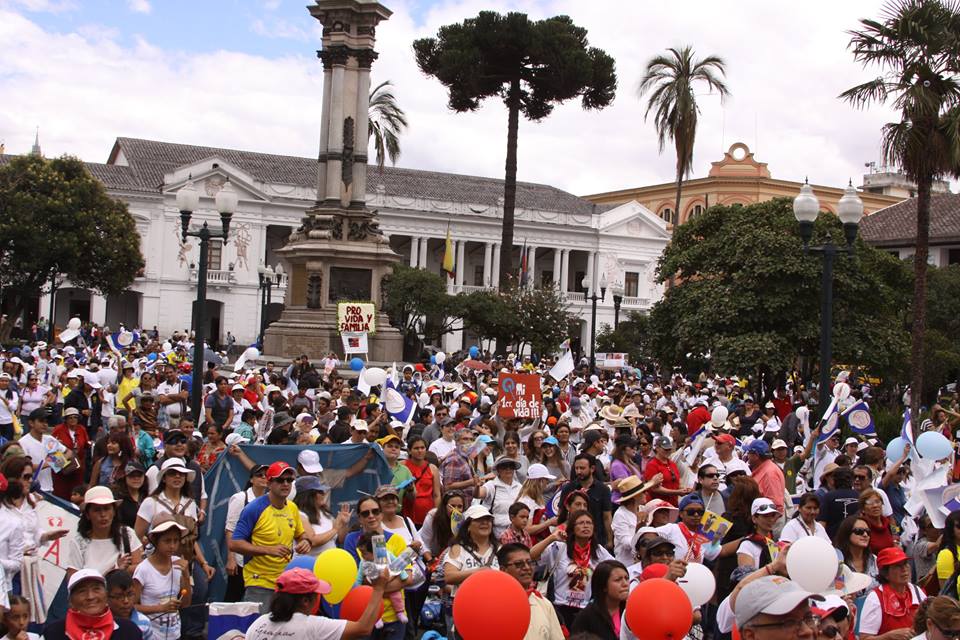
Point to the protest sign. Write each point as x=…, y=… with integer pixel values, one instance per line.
x=357, y=317
x=519, y=395
x=354, y=342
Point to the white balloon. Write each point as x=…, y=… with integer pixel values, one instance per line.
x=841, y=391
x=74, y=324
x=375, y=376
x=166, y=346
x=698, y=583
x=812, y=563
x=423, y=400
x=440, y=357
x=718, y=416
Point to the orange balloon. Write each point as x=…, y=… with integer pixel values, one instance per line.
x=491, y=604
x=658, y=609
x=355, y=603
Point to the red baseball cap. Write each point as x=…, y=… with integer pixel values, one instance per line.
x=656, y=570
x=725, y=438
x=277, y=469
x=301, y=581
x=891, y=556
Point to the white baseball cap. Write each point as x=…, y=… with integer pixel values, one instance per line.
x=477, y=511
x=83, y=575
x=310, y=461
x=538, y=471
x=763, y=506
x=235, y=438
x=360, y=425
x=850, y=440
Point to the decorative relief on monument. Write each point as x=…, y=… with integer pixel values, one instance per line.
x=314, y=287
x=213, y=184
x=241, y=240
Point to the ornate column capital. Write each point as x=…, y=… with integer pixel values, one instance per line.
x=365, y=57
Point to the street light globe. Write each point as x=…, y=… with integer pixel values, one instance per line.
x=850, y=206
x=268, y=272
x=585, y=282
x=188, y=199
x=226, y=199
x=806, y=207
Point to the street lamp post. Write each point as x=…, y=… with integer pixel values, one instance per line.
x=617, y=291
x=269, y=277
x=188, y=199
x=806, y=207
x=593, y=298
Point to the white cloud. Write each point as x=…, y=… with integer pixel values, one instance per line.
x=139, y=6
x=39, y=6
x=786, y=67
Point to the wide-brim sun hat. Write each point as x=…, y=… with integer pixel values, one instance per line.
x=176, y=464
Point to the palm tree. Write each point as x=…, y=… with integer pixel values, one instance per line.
x=670, y=80
x=386, y=122
x=916, y=45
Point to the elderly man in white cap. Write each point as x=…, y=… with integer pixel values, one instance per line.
x=89, y=615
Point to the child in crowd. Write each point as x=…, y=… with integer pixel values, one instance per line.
x=365, y=549
x=16, y=619
x=519, y=517
x=162, y=582
x=120, y=596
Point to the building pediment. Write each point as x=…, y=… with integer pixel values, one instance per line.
x=631, y=219
x=210, y=174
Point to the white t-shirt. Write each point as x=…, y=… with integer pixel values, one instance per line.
x=236, y=504
x=155, y=589
x=299, y=627
x=326, y=524
x=32, y=399
x=30, y=520
x=8, y=406
x=150, y=507
x=498, y=497
x=871, y=615
x=101, y=555
x=471, y=560
x=441, y=447
x=795, y=529
x=108, y=403
x=38, y=452
x=556, y=561
x=169, y=389
x=624, y=525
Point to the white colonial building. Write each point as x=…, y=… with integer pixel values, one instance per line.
x=569, y=239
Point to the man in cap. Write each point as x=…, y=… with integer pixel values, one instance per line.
x=446, y=443
x=340, y=429
x=88, y=615
x=724, y=459
x=238, y=501
x=768, y=475
x=669, y=489
x=578, y=419
x=827, y=452
x=773, y=607
x=791, y=465
x=392, y=446
x=85, y=399
x=266, y=532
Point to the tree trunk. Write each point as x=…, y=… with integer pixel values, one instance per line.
x=510, y=187
x=676, y=210
x=919, y=328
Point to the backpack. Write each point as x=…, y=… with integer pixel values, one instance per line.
x=190, y=524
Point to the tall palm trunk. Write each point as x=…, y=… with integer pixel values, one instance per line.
x=920, y=294
x=510, y=184
x=676, y=207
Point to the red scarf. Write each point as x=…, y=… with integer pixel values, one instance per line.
x=80, y=626
x=581, y=555
x=693, y=543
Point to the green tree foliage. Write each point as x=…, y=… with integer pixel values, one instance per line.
x=942, y=357
x=632, y=337
x=58, y=224
x=670, y=81
x=517, y=317
x=531, y=66
x=749, y=297
x=916, y=46
x=386, y=122
x=417, y=301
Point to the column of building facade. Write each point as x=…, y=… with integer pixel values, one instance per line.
x=414, y=251
x=557, y=256
x=424, y=246
x=532, y=267
x=495, y=266
x=487, y=266
x=461, y=253
x=564, y=270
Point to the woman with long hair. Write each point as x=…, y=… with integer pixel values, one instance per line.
x=804, y=521
x=212, y=448
x=570, y=556
x=937, y=618
x=108, y=470
x=532, y=446
x=101, y=541
x=555, y=463
x=883, y=532
x=131, y=492
x=437, y=531
x=852, y=543
x=424, y=494
x=33, y=396
x=312, y=501
x=9, y=407
x=609, y=588
x=622, y=465
x=948, y=558
x=11, y=536
x=743, y=491
x=294, y=607
x=474, y=549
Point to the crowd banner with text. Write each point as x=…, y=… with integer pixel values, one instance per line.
x=354, y=342
x=520, y=395
x=228, y=476
x=357, y=317
x=613, y=361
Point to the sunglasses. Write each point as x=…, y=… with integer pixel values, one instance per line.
x=284, y=480
x=176, y=441
x=522, y=564
x=366, y=513
x=695, y=513
x=860, y=532
x=711, y=475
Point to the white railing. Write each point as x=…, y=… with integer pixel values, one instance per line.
x=575, y=296
x=470, y=288
x=216, y=276
x=635, y=301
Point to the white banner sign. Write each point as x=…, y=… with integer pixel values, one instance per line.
x=354, y=342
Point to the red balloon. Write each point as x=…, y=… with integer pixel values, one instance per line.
x=491, y=604
x=356, y=602
x=658, y=609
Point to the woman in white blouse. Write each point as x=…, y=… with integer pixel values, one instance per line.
x=804, y=523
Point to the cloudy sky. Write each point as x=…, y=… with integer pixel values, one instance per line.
x=243, y=74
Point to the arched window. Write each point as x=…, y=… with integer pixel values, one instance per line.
x=696, y=211
x=667, y=214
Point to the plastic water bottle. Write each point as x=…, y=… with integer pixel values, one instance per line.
x=370, y=570
x=406, y=557
x=380, y=556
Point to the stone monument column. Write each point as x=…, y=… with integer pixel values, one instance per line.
x=339, y=253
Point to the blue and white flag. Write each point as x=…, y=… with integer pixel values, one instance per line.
x=830, y=421
x=859, y=418
x=399, y=406
x=906, y=431
x=122, y=339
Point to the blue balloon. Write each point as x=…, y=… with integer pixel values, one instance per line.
x=302, y=562
x=152, y=357
x=933, y=446
x=895, y=448
x=356, y=364
x=474, y=351
x=433, y=359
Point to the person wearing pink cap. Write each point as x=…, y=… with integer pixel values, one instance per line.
x=297, y=599
x=888, y=610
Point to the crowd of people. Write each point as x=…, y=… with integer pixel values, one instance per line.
x=622, y=477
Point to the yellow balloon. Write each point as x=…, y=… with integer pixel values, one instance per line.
x=337, y=568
